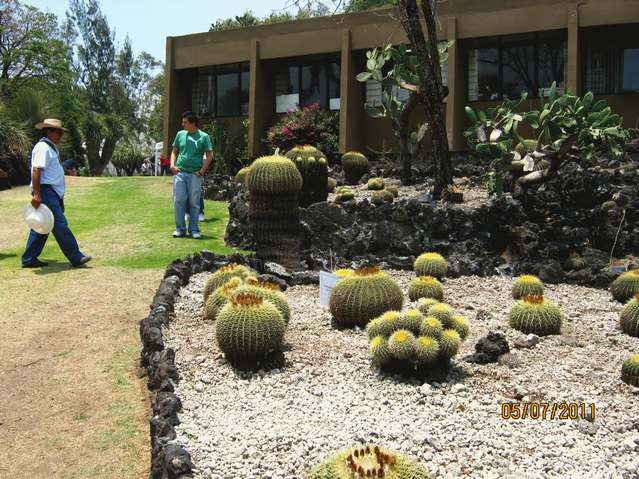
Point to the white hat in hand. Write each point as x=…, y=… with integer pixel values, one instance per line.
x=39, y=220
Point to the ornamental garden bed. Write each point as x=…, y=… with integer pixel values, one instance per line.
x=281, y=419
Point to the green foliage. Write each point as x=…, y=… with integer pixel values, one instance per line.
x=129, y=157
x=216, y=301
x=230, y=152
x=355, y=164
x=630, y=370
x=536, y=315
x=431, y=264
x=249, y=327
x=527, y=285
x=425, y=287
x=357, y=299
x=248, y=18
x=375, y=184
x=273, y=175
x=360, y=461
x=629, y=317
x=363, y=5
x=268, y=292
x=14, y=138
x=222, y=275
x=566, y=126
x=313, y=167
x=625, y=286
x=308, y=126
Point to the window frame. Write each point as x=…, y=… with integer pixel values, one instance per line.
x=213, y=71
x=502, y=42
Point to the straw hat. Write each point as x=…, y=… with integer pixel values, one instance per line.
x=50, y=123
x=39, y=220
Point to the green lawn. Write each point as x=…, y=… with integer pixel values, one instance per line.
x=126, y=222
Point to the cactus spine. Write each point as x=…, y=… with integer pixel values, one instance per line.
x=536, y=315
x=313, y=167
x=527, y=285
x=249, y=327
x=625, y=286
x=629, y=317
x=355, y=165
x=274, y=183
x=425, y=287
x=431, y=264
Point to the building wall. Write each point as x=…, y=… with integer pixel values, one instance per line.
x=458, y=20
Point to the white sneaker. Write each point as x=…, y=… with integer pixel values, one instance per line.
x=178, y=234
x=196, y=235
x=201, y=217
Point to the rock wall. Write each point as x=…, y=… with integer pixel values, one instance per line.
x=563, y=230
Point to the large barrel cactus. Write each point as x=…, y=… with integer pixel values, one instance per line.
x=249, y=327
x=629, y=318
x=313, y=167
x=625, y=286
x=222, y=275
x=366, y=461
x=536, y=315
x=355, y=165
x=267, y=291
x=357, y=299
x=274, y=183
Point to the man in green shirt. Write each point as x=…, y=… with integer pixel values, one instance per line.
x=191, y=145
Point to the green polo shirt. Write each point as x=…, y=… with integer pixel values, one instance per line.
x=191, y=148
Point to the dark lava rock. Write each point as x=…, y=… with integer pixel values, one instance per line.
x=269, y=278
x=489, y=348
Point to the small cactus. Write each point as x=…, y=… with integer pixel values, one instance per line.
x=629, y=317
x=432, y=327
x=527, y=285
x=431, y=264
x=355, y=165
x=443, y=312
x=249, y=327
x=313, y=167
x=379, y=350
x=625, y=286
x=222, y=275
x=630, y=370
x=267, y=291
x=357, y=299
x=384, y=325
x=343, y=194
x=425, y=287
x=401, y=344
x=426, y=350
x=365, y=461
x=331, y=184
x=220, y=296
x=241, y=175
x=460, y=324
x=536, y=315
x=412, y=320
x=375, y=184
x=382, y=196
x=424, y=304
x=449, y=343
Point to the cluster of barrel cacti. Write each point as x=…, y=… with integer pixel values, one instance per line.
x=366, y=461
x=425, y=287
x=363, y=295
x=355, y=165
x=417, y=337
x=222, y=275
x=313, y=167
x=274, y=183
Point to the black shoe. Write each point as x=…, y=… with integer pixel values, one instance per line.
x=84, y=260
x=36, y=263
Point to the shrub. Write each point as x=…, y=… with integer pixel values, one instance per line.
x=249, y=327
x=625, y=286
x=536, y=315
x=128, y=157
x=630, y=370
x=425, y=287
x=365, y=461
x=355, y=165
x=430, y=264
x=308, y=126
x=357, y=299
x=629, y=317
x=527, y=285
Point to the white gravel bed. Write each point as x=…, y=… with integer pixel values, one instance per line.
x=279, y=424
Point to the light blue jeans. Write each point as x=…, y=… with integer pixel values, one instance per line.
x=187, y=192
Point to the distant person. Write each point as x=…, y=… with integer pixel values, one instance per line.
x=190, y=158
x=70, y=168
x=47, y=187
x=165, y=165
x=144, y=168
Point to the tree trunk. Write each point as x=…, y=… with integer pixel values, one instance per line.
x=403, y=128
x=431, y=91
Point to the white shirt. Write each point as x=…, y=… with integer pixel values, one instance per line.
x=48, y=160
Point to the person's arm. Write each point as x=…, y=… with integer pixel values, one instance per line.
x=174, y=153
x=38, y=163
x=207, y=162
x=35, y=180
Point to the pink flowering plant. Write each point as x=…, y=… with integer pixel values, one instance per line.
x=309, y=126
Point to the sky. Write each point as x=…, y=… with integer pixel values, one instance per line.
x=149, y=22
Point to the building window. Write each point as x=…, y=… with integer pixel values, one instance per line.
x=221, y=91
x=630, y=69
x=303, y=82
x=504, y=67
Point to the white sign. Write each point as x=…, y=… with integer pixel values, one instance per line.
x=327, y=283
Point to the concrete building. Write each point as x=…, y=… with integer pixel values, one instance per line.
x=501, y=48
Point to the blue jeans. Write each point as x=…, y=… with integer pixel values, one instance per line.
x=187, y=193
x=61, y=231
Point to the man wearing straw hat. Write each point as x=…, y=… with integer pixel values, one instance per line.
x=47, y=187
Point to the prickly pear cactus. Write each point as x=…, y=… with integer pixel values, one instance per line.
x=313, y=167
x=431, y=264
x=625, y=286
x=249, y=327
x=355, y=165
x=220, y=296
x=222, y=275
x=536, y=315
x=425, y=287
x=630, y=370
x=357, y=299
x=527, y=285
x=629, y=317
x=366, y=461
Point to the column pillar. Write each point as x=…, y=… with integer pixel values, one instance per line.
x=573, y=67
x=177, y=87
x=348, y=127
x=255, y=124
x=456, y=94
